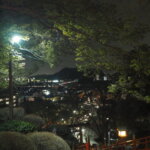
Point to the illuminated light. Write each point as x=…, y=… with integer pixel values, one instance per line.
x=1, y=100
x=46, y=92
x=14, y=104
x=55, y=81
x=83, y=130
x=66, y=91
x=97, y=77
x=31, y=99
x=14, y=96
x=62, y=119
x=97, y=106
x=90, y=114
x=122, y=133
x=105, y=78
x=74, y=111
x=7, y=103
x=107, y=118
x=16, y=39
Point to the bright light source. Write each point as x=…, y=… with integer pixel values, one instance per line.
x=16, y=39
x=74, y=111
x=122, y=133
x=105, y=78
x=90, y=114
x=7, y=103
x=83, y=130
x=55, y=81
x=96, y=106
x=46, y=92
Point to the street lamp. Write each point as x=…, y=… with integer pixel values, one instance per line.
x=15, y=39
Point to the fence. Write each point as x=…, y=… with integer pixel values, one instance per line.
x=85, y=146
x=137, y=144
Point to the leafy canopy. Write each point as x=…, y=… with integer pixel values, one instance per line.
x=95, y=31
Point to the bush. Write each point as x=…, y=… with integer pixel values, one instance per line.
x=18, y=126
x=15, y=141
x=64, y=132
x=18, y=113
x=34, y=119
x=48, y=141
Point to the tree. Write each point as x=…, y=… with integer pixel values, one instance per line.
x=134, y=77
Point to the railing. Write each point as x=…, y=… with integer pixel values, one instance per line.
x=137, y=144
x=85, y=146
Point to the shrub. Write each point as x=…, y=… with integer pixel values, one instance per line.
x=48, y=141
x=18, y=126
x=34, y=119
x=64, y=132
x=4, y=114
x=15, y=141
x=18, y=113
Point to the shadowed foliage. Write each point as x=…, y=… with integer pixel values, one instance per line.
x=34, y=119
x=48, y=141
x=15, y=141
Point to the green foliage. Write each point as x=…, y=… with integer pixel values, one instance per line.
x=134, y=77
x=47, y=141
x=7, y=52
x=18, y=126
x=15, y=141
x=101, y=38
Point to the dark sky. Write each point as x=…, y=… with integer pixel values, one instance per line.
x=67, y=61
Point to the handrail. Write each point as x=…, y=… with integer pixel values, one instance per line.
x=136, y=144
